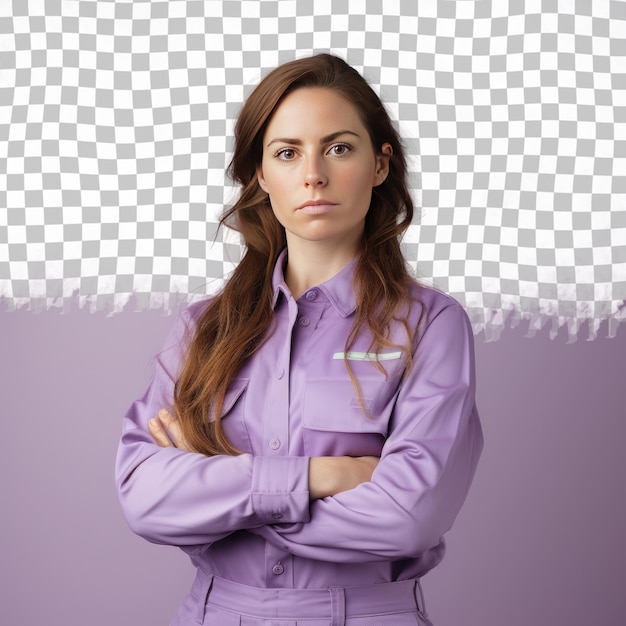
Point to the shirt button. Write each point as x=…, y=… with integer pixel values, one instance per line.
x=277, y=516
x=280, y=373
x=278, y=569
x=304, y=321
x=274, y=444
x=311, y=295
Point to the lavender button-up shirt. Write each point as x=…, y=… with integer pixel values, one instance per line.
x=248, y=518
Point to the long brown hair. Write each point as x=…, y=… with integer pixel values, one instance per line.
x=238, y=320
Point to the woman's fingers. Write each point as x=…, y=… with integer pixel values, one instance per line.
x=166, y=431
x=158, y=433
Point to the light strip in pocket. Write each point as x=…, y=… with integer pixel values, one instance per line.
x=367, y=356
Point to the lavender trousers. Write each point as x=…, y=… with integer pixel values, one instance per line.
x=213, y=601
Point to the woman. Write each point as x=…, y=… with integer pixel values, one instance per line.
x=310, y=433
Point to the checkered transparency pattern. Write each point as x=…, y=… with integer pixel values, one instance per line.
x=116, y=125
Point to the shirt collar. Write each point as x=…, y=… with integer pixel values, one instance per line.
x=339, y=289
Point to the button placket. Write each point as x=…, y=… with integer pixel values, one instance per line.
x=276, y=403
x=279, y=567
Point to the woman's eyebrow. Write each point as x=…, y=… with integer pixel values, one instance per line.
x=298, y=142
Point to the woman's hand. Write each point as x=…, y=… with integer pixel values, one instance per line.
x=330, y=475
x=166, y=431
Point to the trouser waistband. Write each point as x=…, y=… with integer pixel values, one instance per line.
x=335, y=602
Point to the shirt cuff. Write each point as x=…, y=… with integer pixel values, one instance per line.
x=280, y=489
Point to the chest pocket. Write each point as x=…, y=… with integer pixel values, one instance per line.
x=233, y=421
x=334, y=424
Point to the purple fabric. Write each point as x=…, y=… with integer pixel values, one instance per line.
x=213, y=600
x=248, y=518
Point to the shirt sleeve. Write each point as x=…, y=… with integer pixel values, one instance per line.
x=426, y=466
x=190, y=500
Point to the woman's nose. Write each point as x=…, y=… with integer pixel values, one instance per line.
x=314, y=175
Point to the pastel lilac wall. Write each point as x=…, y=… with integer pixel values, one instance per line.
x=540, y=540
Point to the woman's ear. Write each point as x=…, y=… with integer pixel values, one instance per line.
x=261, y=180
x=382, y=164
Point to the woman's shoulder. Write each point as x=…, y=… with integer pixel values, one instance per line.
x=193, y=311
x=186, y=320
x=184, y=326
x=430, y=306
x=438, y=311
x=430, y=300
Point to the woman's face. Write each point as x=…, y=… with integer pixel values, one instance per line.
x=319, y=168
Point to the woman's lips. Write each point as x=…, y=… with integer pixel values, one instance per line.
x=316, y=209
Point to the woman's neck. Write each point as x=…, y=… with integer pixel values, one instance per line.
x=312, y=263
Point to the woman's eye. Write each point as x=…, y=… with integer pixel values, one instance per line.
x=286, y=154
x=340, y=149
